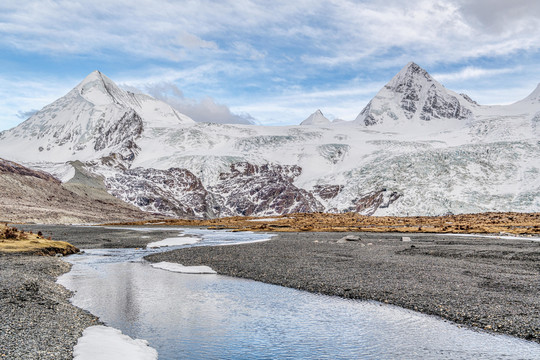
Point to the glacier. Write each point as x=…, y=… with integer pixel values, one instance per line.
x=415, y=149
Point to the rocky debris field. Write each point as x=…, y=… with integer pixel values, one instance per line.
x=492, y=284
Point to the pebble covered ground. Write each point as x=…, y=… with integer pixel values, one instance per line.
x=37, y=321
x=486, y=283
x=493, y=284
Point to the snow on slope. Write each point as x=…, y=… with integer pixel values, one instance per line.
x=417, y=148
x=317, y=118
x=94, y=119
x=413, y=96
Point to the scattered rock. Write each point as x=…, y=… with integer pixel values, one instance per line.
x=349, y=238
x=405, y=238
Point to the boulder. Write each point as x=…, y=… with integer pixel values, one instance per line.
x=349, y=238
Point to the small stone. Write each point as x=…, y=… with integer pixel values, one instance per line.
x=405, y=238
x=349, y=238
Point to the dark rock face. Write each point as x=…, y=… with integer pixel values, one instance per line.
x=437, y=106
x=123, y=132
x=246, y=190
x=10, y=167
x=369, y=203
x=263, y=190
x=327, y=192
x=368, y=117
x=174, y=192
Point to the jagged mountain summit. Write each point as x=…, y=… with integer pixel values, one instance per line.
x=317, y=118
x=94, y=119
x=413, y=95
x=416, y=149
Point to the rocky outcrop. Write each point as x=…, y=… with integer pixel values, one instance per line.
x=247, y=189
x=327, y=192
x=121, y=134
x=263, y=190
x=174, y=192
x=12, y=168
x=438, y=106
x=370, y=202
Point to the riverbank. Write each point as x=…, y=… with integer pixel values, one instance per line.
x=37, y=320
x=492, y=284
x=481, y=282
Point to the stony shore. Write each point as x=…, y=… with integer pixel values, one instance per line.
x=492, y=284
x=37, y=321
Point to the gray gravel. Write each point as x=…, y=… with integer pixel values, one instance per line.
x=484, y=283
x=37, y=321
x=478, y=282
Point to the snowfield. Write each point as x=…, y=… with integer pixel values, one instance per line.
x=415, y=149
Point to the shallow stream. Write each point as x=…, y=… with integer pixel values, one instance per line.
x=186, y=316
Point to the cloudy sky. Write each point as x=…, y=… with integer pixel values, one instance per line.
x=271, y=63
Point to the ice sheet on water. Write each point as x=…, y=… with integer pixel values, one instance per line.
x=226, y=237
x=201, y=269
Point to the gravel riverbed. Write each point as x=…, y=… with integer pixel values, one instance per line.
x=37, y=321
x=493, y=284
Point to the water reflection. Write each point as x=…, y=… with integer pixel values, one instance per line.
x=216, y=317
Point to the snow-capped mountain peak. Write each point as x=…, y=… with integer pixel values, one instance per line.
x=409, y=74
x=413, y=96
x=317, y=118
x=96, y=118
x=98, y=89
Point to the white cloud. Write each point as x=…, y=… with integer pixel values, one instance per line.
x=205, y=110
x=325, y=33
x=472, y=72
x=191, y=41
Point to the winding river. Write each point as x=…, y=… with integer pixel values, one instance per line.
x=187, y=316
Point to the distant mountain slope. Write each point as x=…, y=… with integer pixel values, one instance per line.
x=415, y=149
x=94, y=119
x=35, y=196
x=317, y=118
x=413, y=95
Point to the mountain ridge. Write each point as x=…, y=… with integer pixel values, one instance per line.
x=415, y=149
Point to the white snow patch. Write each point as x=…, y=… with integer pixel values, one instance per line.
x=201, y=269
x=104, y=343
x=246, y=242
x=269, y=219
x=177, y=241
